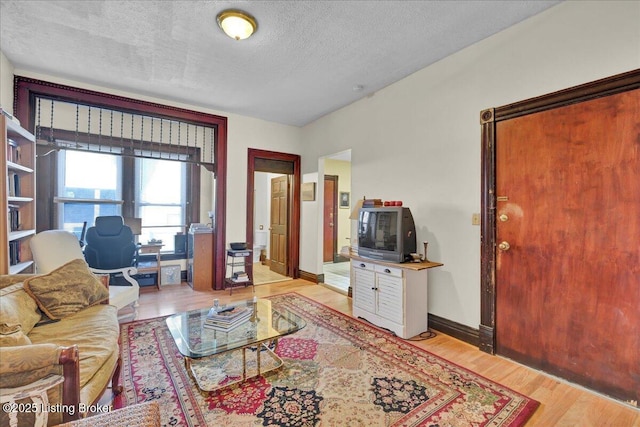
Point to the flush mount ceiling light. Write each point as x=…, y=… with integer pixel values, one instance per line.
x=237, y=24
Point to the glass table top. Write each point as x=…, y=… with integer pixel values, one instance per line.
x=194, y=340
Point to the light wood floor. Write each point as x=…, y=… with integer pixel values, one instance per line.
x=262, y=274
x=561, y=404
x=337, y=276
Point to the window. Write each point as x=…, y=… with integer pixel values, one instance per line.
x=205, y=145
x=91, y=185
x=160, y=199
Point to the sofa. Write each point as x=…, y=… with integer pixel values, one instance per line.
x=58, y=323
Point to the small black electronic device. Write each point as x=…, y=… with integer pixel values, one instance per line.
x=386, y=233
x=180, y=244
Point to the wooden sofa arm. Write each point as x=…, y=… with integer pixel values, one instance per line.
x=70, y=361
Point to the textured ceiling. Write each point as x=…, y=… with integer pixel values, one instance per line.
x=302, y=63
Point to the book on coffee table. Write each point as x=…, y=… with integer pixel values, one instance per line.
x=227, y=318
x=225, y=328
x=228, y=313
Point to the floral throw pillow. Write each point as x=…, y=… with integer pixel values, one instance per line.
x=66, y=290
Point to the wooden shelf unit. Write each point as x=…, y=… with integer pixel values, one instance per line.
x=200, y=271
x=237, y=258
x=17, y=194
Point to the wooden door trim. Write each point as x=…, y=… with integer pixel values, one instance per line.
x=488, y=119
x=293, y=238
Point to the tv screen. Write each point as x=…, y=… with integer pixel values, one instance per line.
x=386, y=233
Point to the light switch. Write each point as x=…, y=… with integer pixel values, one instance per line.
x=475, y=219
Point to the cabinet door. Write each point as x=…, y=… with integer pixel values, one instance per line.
x=390, y=297
x=364, y=295
x=201, y=265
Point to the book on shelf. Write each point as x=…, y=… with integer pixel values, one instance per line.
x=14, y=253
x=14, y=217
x=11, y=189
x=13, y=184
x=240, y=276
x=13, y=151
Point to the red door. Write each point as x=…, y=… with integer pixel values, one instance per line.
x=330, y=229
x=568, y=237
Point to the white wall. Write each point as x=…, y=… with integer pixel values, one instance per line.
x=6, y=84
x=310, y=226
x=418, y=140
x=245, y=133
x=262, y=200
x=242, y=133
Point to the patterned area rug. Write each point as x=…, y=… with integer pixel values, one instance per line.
x=338, y=371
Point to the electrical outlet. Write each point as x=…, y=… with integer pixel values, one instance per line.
x=475, y=219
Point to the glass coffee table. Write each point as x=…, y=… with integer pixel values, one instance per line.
x=218, y=359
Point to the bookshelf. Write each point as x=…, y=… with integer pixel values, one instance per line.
x=18, y=213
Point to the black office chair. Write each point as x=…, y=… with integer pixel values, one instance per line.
x=110, y=244
x=83, y=234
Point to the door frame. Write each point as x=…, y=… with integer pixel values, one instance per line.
x=293, y=238
x=488, y=119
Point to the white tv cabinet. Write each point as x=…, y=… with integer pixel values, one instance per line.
x=390, y=295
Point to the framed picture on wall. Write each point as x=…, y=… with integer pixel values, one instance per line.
x=344, y=200
x=308, y=191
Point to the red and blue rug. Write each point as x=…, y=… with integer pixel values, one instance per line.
x=338, y=371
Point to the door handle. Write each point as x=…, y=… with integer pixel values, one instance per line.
x=504, y=246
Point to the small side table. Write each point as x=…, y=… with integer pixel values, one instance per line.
x=235, y=260
x=151, y=249
x=37, y=392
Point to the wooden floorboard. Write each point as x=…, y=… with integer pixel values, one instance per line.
x=562, y=404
